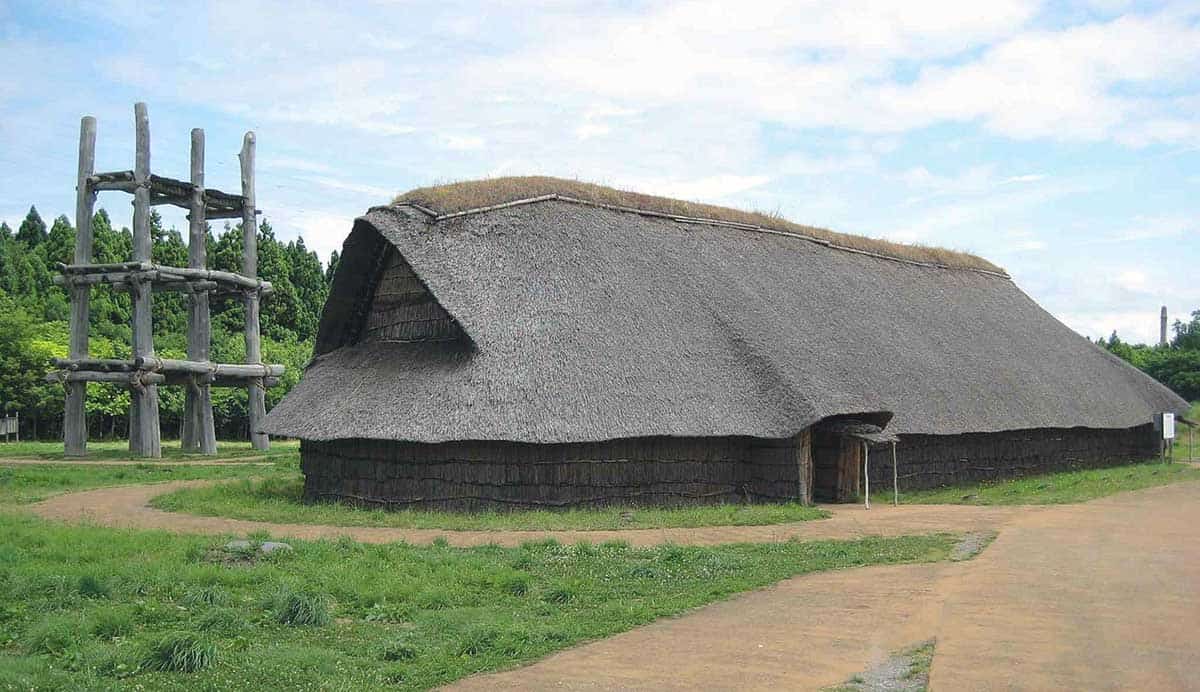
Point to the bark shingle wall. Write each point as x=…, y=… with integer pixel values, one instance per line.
x=929, y=461
x=500, y=475
x=403, y=309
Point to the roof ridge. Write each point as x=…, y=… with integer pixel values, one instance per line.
x=436, y=217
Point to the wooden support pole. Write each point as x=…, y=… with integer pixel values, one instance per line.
x=144, y=433
x=75, y=432
x=256, y=394
x=199, y=430
x=895, y=478
x=867, y=473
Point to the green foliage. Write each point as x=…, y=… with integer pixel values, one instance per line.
x=301, y=608
x=180, y=652
x=34, y=314
x=1177, y=365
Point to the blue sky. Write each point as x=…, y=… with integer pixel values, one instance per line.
x=1059, y=140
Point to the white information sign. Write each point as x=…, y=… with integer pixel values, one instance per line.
x=1168, y=426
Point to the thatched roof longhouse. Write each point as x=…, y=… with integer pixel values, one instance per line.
x=587, y=323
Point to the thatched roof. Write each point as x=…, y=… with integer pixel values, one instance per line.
x=472, y=196
x=587, y=323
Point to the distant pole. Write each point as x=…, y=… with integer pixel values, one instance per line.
x=256, y=394
x=1162, y=327
x=75, y=412
x=144, y=433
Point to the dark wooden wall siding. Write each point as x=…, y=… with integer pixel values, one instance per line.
x=929, y=461
x=403, y=309
x=499, y=475
x=685, y=471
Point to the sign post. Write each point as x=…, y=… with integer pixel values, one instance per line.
x=1168, y=434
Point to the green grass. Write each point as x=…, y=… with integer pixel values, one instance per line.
x=279, y=500
x=32, y=483
x=84, y=607
x=118, y=450
x=1056, y=488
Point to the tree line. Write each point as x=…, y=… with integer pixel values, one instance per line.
x=1175, y=364
x=34, y=314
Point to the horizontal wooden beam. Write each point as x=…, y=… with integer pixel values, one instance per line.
x=117, y=180
x=203, y=367
x=125, y=378
x=101, y=268
x=186, y=379
x=133, y=272
x=129, y=378
x=93, y=364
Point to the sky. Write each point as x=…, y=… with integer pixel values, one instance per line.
x=1059, y=140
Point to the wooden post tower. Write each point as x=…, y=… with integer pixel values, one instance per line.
x=144, y=372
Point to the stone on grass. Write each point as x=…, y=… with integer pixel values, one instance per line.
x=266, y=547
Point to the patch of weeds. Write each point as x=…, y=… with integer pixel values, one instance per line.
x=436, y=598
x=302, y=608
x=211, y=595
x=180, y=652
x=53, y=634
x=561, y=593
x=91, y=586
x=398, y=650
x=393, y=613
x=221, y=620
x=513, y=583
x=476, y=639
x=111, y=623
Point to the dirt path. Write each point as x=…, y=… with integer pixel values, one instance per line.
x=1097, y=596
x=126, y=506
x=1094, y=596
x=257, y=460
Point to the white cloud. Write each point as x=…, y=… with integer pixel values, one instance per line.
x=707, y=188
x=460, y=142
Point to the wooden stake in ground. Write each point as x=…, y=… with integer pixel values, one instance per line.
x=144, y=434
x=75, y=414
x=199, y=432
x=257, y=405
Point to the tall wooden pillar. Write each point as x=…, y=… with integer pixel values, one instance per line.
x=144, y=433
x=804, y=463
x=198, y=433
x=75, y=432
x=256, y=408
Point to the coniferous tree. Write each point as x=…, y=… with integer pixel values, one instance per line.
x=33, y=230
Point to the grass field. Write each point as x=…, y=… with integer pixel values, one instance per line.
x=32, y=483
x=91, y=608
x=1055, y=488
x=118, y=450
x=279, y=500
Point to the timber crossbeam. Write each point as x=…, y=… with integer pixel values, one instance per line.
x=164, y=190
x=163, y=277
x=152, y=370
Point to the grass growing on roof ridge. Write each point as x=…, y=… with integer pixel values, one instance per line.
x=474, y=194
x=279, y=500
x=1063, y=487
x=373, y=615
